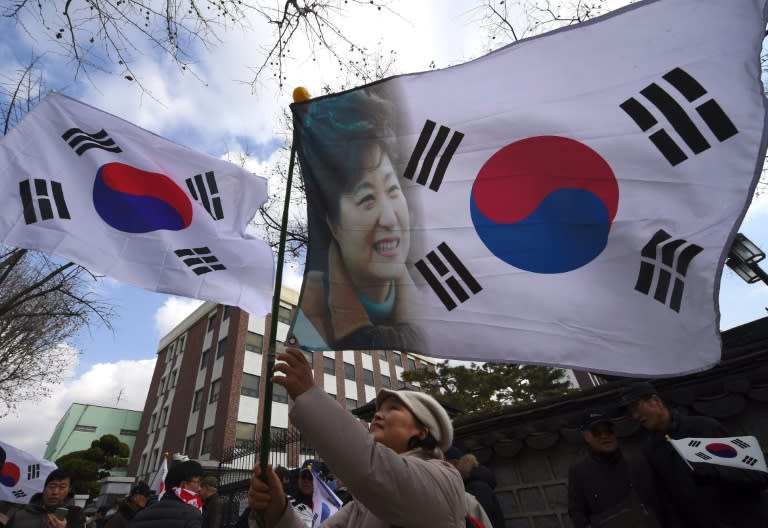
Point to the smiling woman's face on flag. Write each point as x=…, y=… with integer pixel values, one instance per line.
x=357, y=286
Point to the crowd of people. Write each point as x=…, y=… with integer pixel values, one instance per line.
x=404, y=471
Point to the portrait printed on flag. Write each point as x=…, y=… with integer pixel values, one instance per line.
x=358, y=292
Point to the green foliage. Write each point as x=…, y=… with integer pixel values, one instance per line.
x=90, y=465
x=489, y=387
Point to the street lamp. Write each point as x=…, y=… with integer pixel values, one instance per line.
x=744, y=258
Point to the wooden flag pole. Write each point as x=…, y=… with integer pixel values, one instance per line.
x=299, y=94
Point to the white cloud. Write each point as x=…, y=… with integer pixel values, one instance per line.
x=31, y=426
x=173, y=311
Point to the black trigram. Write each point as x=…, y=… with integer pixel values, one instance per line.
x=741, y=443
x=19, y=493
x=200, y=260
x=437, y=147
x=39, y=201
x=676, y=256
x=703, y=456
x=205, y=191
x=694, y=443
x=709, y=111
x=82, y=141
x=33, y=471
x=443, y=266
x=748, y=460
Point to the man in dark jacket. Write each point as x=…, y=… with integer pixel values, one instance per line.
x=41, y=510
x=130, y=506
x=181, y=505
x=213, y=504
x=606, y=489
x=710, y=495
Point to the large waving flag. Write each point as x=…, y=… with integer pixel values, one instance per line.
x=742, y=452
x=567, y=200
x=89, y=187
x=21, y=474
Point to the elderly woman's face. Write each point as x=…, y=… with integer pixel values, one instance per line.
x=394, y=425
x=372, y=230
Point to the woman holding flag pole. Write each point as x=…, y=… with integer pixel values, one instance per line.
x=395, y=471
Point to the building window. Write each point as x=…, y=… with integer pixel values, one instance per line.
x=367, y=352
x=349, y=371
x=383, y=355
x=310, y=357
x=368, y=377
x=153, y=460
x=245, y=433
x=398, y=359
x=400, y=384
x=250, y=385
x=411, y=364
x=385, y=383
x=254, y=342
x=198, y=397
x=279, y=394
x=128, y=432
x=204, y=359
x=152, y=421
x=211, y=321
x=173, y=378
x=85, y=428
x=351, y=404
x=207, y=441
x=143, y=463
x=189, y=444
x=329, y=366
x=221, y=348
x=161, y=388
x=284, y=315
x=164, y=417
x=227, y=310
x=215, y=387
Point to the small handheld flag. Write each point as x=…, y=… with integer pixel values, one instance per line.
x=739, y=451
x=158, y=481
x=21, y=474
x=324, y=501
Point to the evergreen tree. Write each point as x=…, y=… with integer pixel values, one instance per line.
x=93, y=464
x=489, y=387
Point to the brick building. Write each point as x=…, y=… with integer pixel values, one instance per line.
x=206, y=388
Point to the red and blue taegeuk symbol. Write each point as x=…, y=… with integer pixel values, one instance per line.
x=545, y=204
x=9, y=474
x=722, y=450
x=137, y=201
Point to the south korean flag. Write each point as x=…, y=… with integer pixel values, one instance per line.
x=21, y=474
x=566, y=200
x=740, y=451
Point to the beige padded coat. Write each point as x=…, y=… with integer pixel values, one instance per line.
x=409, y=490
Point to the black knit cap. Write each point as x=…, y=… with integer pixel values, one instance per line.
x=639, y=390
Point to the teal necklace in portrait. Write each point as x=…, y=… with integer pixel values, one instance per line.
x=379, y=312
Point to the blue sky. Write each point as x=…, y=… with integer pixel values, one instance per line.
x=224, y=116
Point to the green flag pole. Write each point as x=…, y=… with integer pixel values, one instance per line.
x=299, y=94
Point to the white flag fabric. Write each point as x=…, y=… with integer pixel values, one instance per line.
x=566, y=200
x=99, y=191
x=324, y=501
x=158, y=482
x=21, y=474
x=738, y=451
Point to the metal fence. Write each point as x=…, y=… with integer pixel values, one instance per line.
x=287, y=449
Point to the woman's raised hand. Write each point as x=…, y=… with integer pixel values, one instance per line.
x=298, y=377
